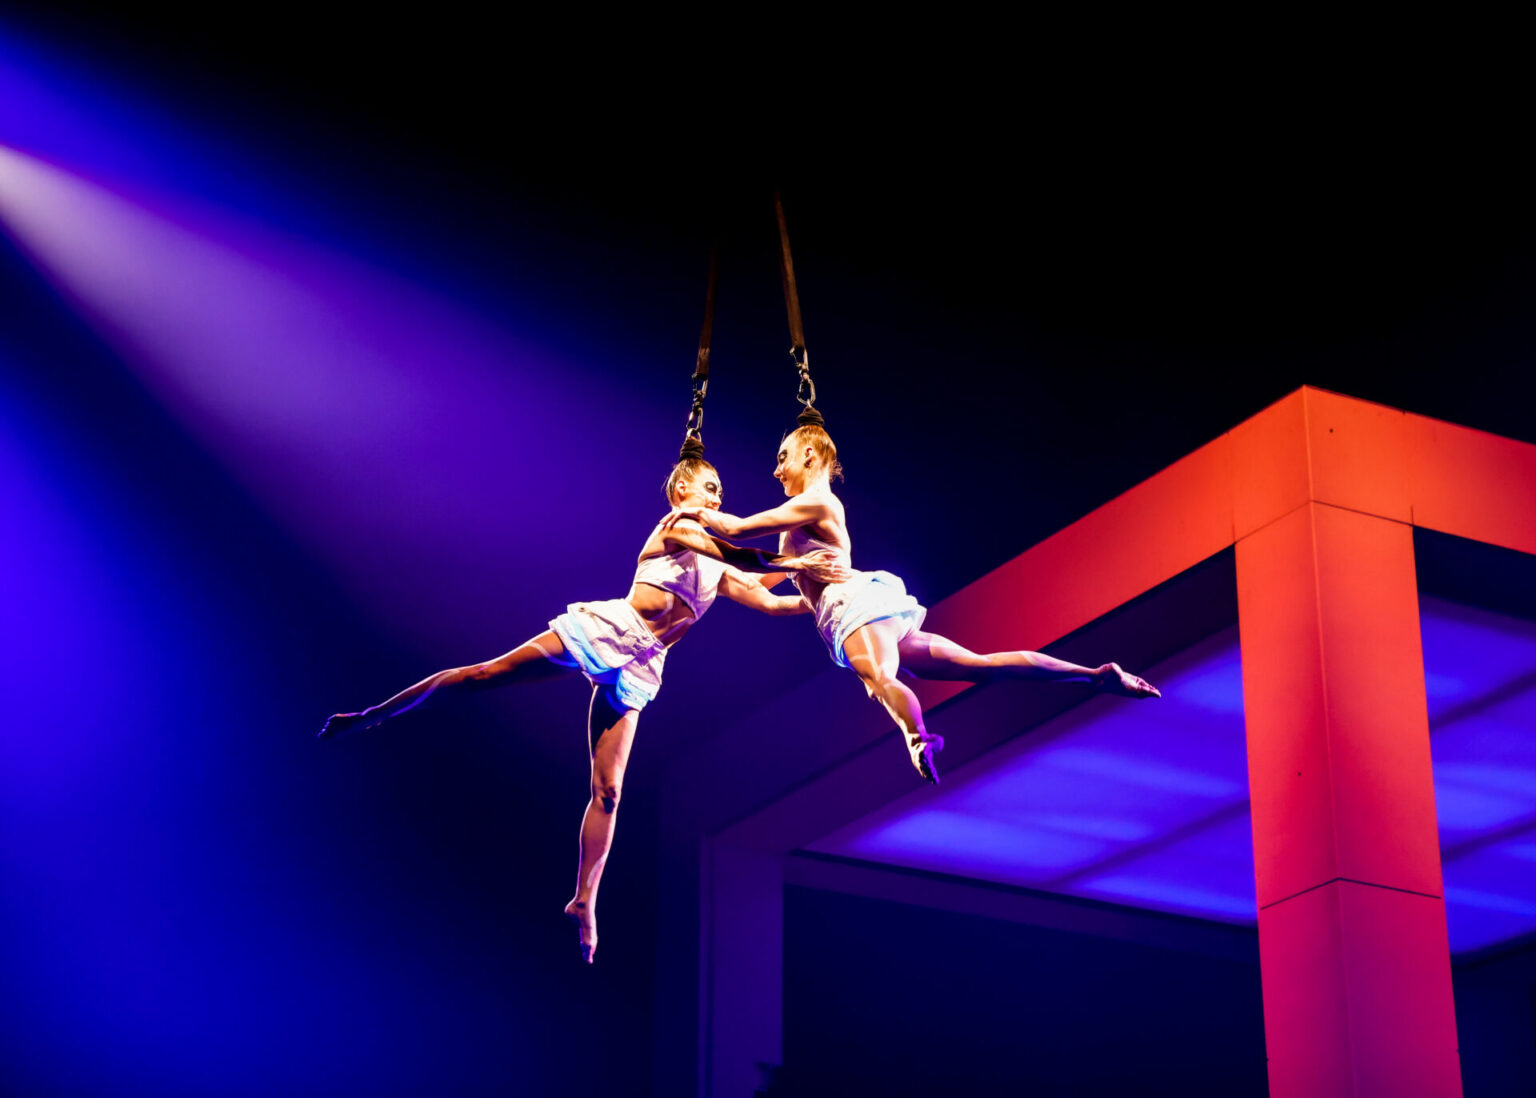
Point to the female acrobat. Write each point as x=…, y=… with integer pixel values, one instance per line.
x=868, y=621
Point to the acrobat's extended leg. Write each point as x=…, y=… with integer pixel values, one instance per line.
x=873, y=652
x=531, y=660
x=931, y=656
x=612, y=733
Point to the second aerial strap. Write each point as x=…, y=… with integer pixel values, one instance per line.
x=806, y=393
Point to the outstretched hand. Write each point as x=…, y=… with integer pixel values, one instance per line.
x=827, y=566
x=1113, y=679
x=696, y=514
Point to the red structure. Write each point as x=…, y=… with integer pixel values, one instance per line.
x=1318, y=494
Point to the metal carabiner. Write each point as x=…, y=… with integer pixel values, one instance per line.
x=696, y=412
x=802, y=360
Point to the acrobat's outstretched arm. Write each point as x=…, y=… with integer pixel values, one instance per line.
x=759, y=597
x=822, y=565
x=800, y=511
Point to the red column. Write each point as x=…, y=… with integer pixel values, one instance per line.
x=1352, y=940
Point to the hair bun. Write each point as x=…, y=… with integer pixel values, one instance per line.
x=810, y=418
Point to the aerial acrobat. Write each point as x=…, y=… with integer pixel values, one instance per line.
x=868, y=621
x=620, y=645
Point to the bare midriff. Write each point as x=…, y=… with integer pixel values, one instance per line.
x=668, y=616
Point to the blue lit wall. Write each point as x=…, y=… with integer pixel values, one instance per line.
x=1480, y=676
x=1147, y=805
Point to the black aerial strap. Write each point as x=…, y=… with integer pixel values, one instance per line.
x=806, y=394
x=693, y=445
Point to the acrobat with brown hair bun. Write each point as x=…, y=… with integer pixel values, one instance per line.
x=868, y=621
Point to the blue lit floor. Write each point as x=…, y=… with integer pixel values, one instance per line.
x=1147, y=804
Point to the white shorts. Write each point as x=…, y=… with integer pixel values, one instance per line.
x=867, y=597
x=612, y=646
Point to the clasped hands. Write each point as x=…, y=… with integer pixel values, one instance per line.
x=826, y=566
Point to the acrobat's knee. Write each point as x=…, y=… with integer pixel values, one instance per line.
x=871, y=675
x=606, y=791
x=877, y=683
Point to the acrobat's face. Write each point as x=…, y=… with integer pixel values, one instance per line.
x=704, y=490
x=793, y=464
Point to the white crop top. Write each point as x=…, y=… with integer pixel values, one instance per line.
x=686, y=574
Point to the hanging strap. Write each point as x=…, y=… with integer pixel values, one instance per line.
x=806, y=393
x=693, y=445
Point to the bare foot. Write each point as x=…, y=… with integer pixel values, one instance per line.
x=922, y=752
x=1113, y=679
x=586, y=926
x=338, y=723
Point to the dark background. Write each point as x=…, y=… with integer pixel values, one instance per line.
x=1032, y=274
